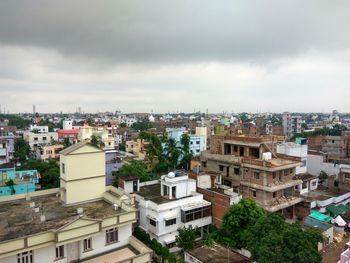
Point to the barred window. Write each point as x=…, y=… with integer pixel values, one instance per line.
x=111, y=235
x=194, y=214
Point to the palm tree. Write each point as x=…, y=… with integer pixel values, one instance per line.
x=185, y=151
x=96, y=141
x=172, y=152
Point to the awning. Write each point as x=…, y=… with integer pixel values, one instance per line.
x=321, y=217
x=170, y=216
x=339, y=221
x=169, y=239
x=152, y=217
x=337, y=210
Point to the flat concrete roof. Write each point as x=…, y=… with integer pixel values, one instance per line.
x=18, y=219
x=218, y=254
x=152, y=193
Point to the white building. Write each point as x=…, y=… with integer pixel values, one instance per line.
x=71, y=224
x=197, y=144
x=291, y=124
x=67, y=125
x=36, y=139
x=41, y=129
x=295, y=150
x=171, y=204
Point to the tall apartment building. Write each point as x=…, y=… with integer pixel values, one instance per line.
x=291, y=124
x=170, y=204
x=82, y=221
x=251, y=165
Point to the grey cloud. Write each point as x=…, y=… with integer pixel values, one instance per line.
x=181, y=31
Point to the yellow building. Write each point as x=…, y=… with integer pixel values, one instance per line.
x=137, y=147
x=82, y=221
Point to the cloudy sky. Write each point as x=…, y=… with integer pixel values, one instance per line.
x=183, y=55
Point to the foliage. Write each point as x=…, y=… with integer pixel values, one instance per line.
x=96, y=141
x=141, y=126
x=49, y=124
x=122, y=147
x=137, y=168
x=172, y=153
x=335, y=131
x=186, y=238
x=10, y=183
x=15, y=120
x=185, y=152
x=89, y=121
x=22, y=149
x=66, y=143
x=49, y=171
x=122, y=125
x=238, y=221
x=323, y=176
x=273, y=240
x=163, y=252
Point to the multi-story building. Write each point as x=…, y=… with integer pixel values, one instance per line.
x=170, y=204
x=72, y=135
x=7, y=143
x=291, y=124
x=36, y=139
x=251, y=164
x=23, y=181
x=197, y=142
x=48, y=151
x=71, y=224
x=41, y=129
x=295, y=150
x=136, y=147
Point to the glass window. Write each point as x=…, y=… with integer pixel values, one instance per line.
x=194, y=214
x=111, y=235
x=170, y=222
x=63, y=168
x=59, y=252
x=221, y=168
x=152, y=222
x=25, y=257
x=87, y=244
x=256, y=175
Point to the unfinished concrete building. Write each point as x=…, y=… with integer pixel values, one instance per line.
x=251, y=165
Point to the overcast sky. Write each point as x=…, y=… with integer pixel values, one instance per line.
x=180, y=55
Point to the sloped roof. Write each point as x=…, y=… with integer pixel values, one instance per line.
x=77, y=146
x=320, y=216
x=338, y=210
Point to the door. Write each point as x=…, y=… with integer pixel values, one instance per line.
x=134, y=187
x=3, y=177
x=73, y=252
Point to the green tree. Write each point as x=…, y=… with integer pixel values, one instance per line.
x=122, y=147
x=141, y=125
x=172, y=152
x=66, y=143
x=136, y=168
x=186, y=238
x=238, y=221
x=10, y=183
x=122, y=125
x=185, y=152
x=96, y=141
x=15, y=120
x=22, y=149
x=323, y=176
x=272, y=240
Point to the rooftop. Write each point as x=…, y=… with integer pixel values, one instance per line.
x=319, y=195
x=305, y=177
x=17, y=215
x=152, y=193
x=218, y=254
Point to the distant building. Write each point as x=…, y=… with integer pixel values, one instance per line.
x=24, y=181
x=48, y=152
x=291, y=124
x=41, y=129
x=170, y=204
x=36, y=139
x=7, y=143
x=295, y=150
x=72, y=135
x=67, y=125
x=197, y=142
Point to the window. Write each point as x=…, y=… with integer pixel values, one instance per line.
x=235, y=148
x=25, y=257
x=291, y=170
x=170, y=222
x=286, y=172
x=236, y=170
x=152, y=222
x=314, y=183
x=60, y=252
x=274, y=194
x=87, y=244
x=194, y=214
x=253, y=193
x=204, y=164
x=35, y=138
x=44, y=138
x=63, y=168
x=256, y=175
x=197, y=142
x=111, y=235
x=221, y=168
x=274, y=175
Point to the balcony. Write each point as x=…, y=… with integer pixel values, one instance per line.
x=134, y=252
x=281, y=203
x=221, y=158
x=3, y=152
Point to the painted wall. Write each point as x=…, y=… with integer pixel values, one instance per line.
x=315, y=165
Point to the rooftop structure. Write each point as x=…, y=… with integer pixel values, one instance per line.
x=214, y=254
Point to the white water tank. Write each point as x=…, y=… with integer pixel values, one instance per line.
x=171, y=174
x=267, y=156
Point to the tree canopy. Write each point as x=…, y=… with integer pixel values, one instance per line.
x=186, y=238
x=136, y=168
x=22, y=149
x=141, y=125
